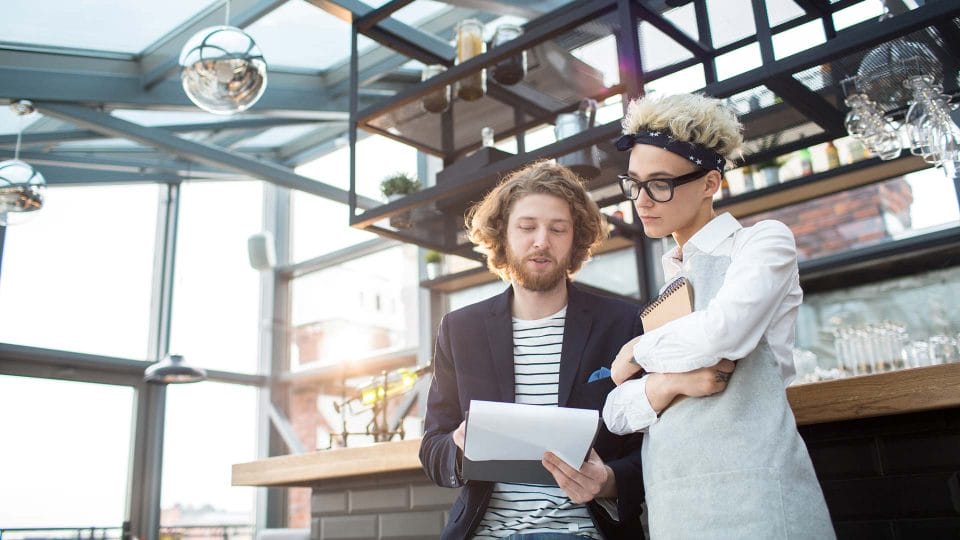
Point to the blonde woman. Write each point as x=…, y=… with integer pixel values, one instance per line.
x=730, y=465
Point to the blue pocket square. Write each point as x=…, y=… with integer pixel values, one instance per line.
x=602, y=373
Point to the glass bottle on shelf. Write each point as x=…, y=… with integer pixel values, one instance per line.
x=513, y=69
x=748, y=178
x=833, y=157
x=470, y=44
x=724, y=187
x=438, y=101
x=806, y=162
x=857, y=151
x=486, y=137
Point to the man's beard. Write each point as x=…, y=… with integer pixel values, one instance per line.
x=536, y=281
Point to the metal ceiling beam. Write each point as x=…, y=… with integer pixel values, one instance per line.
x=380, y=61
x=808, y=102
x=66, y=176
x=160, y=164
x=347, y=254
x=700, y=50
x=240, y=124
x=115, y=84
x=311, y=145
x=391, y=32
x=161, y=59
x=194, y=151
x=819, y=8
x=527, y=10
x=383, y=12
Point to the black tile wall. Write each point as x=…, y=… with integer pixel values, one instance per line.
x=893, y=477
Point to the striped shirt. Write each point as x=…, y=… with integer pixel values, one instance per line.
x=529, y=508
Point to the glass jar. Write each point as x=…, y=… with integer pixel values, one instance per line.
x=439, y=100
x=470, y=44
x=510, y=70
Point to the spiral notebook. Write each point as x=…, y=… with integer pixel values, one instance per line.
x=674, y=302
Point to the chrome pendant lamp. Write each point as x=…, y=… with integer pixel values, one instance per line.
x=222, y=69
x=21, y=186
x=172, y=370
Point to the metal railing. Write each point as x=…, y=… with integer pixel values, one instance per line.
x=80, y=533
x=178, y=532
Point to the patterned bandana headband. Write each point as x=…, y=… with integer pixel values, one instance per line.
x=700, y=156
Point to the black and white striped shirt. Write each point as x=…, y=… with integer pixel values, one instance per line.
x=528, y=508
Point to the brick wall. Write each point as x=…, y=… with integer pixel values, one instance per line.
x=304, y=418
x=845, y=220
x=391, y=506
x=893, y=477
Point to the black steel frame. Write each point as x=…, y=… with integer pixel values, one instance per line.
x=776, y=75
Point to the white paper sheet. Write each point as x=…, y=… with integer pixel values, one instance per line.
x=511, y=431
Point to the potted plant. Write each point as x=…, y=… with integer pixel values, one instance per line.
x=434, y=261
x=394, y=187
x=397, y=185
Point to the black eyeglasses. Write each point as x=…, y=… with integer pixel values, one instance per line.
x=660, y=190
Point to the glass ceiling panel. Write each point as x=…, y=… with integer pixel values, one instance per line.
x=301, y=35
x=730, y=20
x=108, y=25
x=167, y=118
x=9, y=120
x=781, y=11
x=658, y=50
x=419, y=11
x=277, y=136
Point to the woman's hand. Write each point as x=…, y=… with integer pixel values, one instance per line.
x=704, y=381
x=623, y=367
x=663, y=388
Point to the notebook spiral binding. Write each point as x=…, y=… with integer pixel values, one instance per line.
x=672, y=288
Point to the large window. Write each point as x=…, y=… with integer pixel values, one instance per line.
x=898, y=208
x=615, y=271
x=905, y=322
x=356, y=309
x=77, y=276
x=320, y=226
x=65, y=453
x=208, y=427
x=216, y=294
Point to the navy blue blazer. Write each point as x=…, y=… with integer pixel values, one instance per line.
x=474, y=360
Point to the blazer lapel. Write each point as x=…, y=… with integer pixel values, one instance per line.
x=500, y=337
x=576, y=330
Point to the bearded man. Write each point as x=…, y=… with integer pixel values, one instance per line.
x=543, y=341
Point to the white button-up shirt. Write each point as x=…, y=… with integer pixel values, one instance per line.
x=759, y=298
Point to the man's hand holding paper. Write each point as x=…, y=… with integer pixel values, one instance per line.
x=508, y=442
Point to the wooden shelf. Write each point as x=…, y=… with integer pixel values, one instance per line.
x=897, y=392
x=810, y=187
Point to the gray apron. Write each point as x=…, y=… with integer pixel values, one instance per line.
x=732, y=465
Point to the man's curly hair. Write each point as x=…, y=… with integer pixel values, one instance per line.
x=487, y=220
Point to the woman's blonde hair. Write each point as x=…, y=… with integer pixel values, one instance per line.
x=693, y=118
x=487, y=220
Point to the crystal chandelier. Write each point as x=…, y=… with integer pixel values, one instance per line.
x=21, y=186
x=222, y=69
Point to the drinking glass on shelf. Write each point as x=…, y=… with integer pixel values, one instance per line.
x=510, y=70
x=438, y=101
x=470, y=44
x=805, y=363
x=917, y=354
x=943, y=349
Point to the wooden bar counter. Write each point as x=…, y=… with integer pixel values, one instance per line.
x=886, y=448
